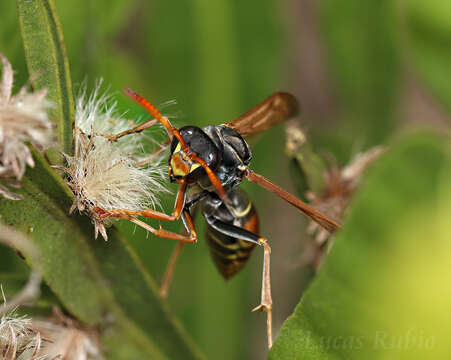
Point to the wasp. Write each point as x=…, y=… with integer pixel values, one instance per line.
x=209, y=164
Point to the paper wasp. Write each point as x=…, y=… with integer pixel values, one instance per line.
x=209, y=164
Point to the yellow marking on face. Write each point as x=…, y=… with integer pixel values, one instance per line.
x=180, y=162
x=194, y=167
x=176, y=171
x=179, y=166
x=178, y=151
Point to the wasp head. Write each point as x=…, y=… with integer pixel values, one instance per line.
x=181, y=166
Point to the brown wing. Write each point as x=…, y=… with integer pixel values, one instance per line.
x=276, y=108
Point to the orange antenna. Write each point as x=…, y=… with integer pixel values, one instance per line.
x=153, y=111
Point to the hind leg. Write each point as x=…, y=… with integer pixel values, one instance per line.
x=243, y=234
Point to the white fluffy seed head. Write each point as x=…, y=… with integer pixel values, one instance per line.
x=17, y=337
x=23, y=117
x=105, y=174
x=97, y=113
x=22, y=338
x=65, y=338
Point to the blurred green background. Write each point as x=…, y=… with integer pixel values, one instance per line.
x=364, y=72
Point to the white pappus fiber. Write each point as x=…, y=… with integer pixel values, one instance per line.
x=107, y=174
x=18, y=340
x=23, y=117
x=22, y=338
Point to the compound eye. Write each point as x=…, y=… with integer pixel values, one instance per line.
x=201, y=144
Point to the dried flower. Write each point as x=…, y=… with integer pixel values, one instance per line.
x=110, y=175
x=65, y=338
x=18, y=339
x=59, y=337
x=328, y=187
x=23, y=117
x=339, y=187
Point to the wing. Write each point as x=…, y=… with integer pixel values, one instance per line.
x=274, y=109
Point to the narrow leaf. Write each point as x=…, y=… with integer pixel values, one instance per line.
x=384, y=290
x=47, y=62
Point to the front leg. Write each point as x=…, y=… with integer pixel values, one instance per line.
x=188, y=227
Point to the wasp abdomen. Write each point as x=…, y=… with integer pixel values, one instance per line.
x=231, y=253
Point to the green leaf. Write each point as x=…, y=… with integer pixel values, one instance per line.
x=101, y=283
x=11, y=42
x=428, y=35
x=384, y=290
x=47, y=62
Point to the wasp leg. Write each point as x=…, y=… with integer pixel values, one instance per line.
x=149, y=213
x=169, y=273
x=133, y=130
x=266, y=300
x=162, y=233
x=188, y=224
x=189, y=228
x=243, y=234
x=131, y=215
x=156, y=152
